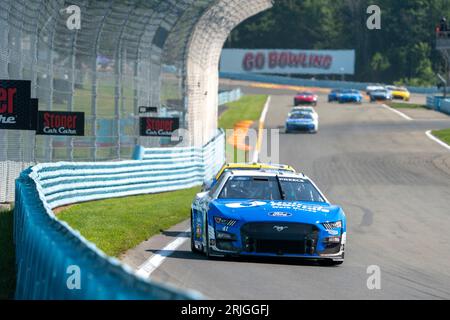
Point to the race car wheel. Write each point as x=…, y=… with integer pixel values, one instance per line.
x=193, y=248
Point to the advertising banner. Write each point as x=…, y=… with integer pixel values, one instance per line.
x=15, y=110
x=286, y=61
x=60, y=123
x=158, y=127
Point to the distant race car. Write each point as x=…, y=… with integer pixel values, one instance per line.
x=247, y=166
x=302, y=121
x=346, y=96
x=374, y=87
x=333, y=96
x=380, y=95
x=305, y=98
x=399, y=93
x=257, y=213
x=310, y=110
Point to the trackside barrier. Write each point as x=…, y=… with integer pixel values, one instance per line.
x=438, y=103
x=313, y=83
x=229, y=96
x=49, y=253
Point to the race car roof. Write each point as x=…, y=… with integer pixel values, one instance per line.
x=253, y=166
x=266, y=173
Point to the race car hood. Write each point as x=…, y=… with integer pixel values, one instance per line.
x=254, y=210
x=290, y=120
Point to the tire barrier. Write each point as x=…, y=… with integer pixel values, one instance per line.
x=313, y=83
x=55, y=261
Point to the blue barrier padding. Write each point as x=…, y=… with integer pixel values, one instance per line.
x=138, y=153
x=438, y=103
x=229, y=96
x=313, y=83
x=47, y=248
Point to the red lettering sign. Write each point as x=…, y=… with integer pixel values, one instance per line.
x=7, y=96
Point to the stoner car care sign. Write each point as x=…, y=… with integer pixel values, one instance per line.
x=158, y=127
x=286, y=61
x=60, y=123
x=15, y=110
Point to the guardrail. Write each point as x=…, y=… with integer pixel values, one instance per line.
x=47, y=249
x=438, y=103
x=314, y=83
x=229, y=96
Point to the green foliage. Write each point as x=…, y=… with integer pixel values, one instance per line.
x=403, y=50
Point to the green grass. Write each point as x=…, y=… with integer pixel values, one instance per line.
x=116, y=225
x=401, y=105
x=247, y=108
x=444, y=135
x=7, y=256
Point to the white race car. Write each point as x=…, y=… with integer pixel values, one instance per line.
x=374, y=87
x=310, y=110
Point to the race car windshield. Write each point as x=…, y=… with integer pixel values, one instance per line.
x=270, y=188
x=301, y=115
x=299, y=190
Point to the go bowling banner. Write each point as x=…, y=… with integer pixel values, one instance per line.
x=288, y=61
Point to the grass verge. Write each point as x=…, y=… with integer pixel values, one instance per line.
x=444, y=135
x=402, y=105
x=116, y=225
x=247, y=108
x=7, y=256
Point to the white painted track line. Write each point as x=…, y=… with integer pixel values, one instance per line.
x=262, y=120
x=152, y=263
x=401, y=114
x=432, y=137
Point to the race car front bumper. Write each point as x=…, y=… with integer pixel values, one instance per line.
x=308, y=127
x=258, y=239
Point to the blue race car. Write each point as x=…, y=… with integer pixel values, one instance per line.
x=380, y=95
x=347, y=96
x=333, y=96
x=257, y=213
x=302, y=121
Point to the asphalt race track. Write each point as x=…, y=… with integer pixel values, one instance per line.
x=392, y=181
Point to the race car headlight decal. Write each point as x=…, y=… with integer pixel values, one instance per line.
x=332, y=225
x=227, y=222
x=225, y=236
